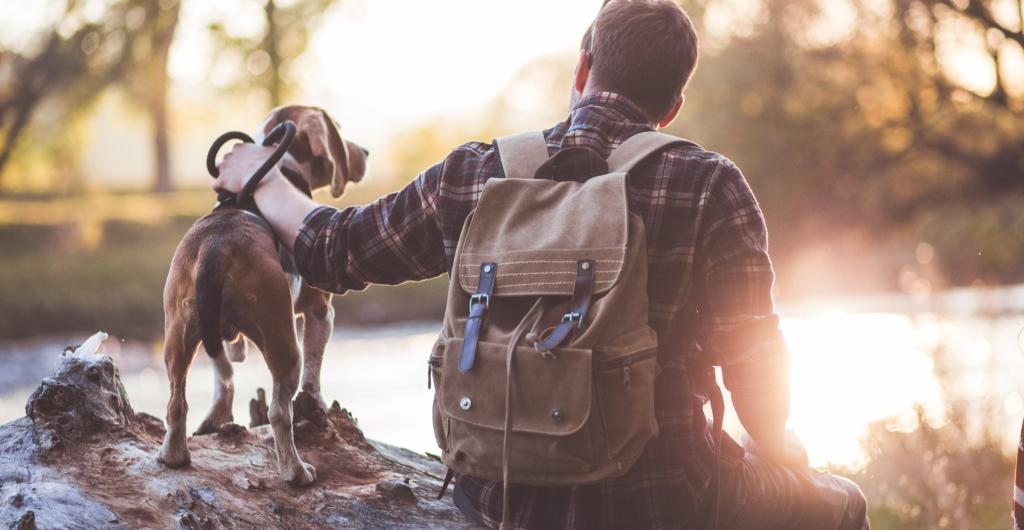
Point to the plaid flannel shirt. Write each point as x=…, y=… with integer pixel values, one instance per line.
x=707, y=254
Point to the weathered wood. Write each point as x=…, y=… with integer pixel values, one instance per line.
x=258, y=411
x=82, y=458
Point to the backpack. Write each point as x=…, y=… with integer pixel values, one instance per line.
x=545, y=366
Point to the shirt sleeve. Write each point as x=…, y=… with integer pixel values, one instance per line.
x=390, y=241
x=742, y=328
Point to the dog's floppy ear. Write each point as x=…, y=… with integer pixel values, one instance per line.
x=313, y=127
x=348, y=159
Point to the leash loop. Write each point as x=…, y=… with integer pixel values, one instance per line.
x=282, y=135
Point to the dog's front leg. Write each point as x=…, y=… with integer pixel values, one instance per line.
x=223, y=396
x=318, y=324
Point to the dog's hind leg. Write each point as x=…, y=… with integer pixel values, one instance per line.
x=237, y=349
x=223, y=396
x=180, y=345
x=318, y=320
x=282, y=354
x=234, y=343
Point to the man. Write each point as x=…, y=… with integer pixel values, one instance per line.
x=709, y=290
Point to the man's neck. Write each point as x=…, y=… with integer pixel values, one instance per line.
x=594, y=96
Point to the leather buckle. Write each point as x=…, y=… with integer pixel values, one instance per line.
x=573, y=316
x=481, y=298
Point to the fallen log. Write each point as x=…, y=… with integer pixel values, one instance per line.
x=83, y=458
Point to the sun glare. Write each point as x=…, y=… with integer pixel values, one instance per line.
x=849, y=370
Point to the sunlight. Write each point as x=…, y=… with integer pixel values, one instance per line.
x=849, y=370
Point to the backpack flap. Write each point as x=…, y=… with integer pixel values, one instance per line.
x=551, y=402
x=550, y=395
x=537, y=231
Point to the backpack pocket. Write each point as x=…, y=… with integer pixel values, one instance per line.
x=551, y=401
x=433, y=374
x=625, y=393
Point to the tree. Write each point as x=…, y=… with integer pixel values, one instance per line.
x=154, y=80
x=269, y=55
x=863, y=129
x=78, y=58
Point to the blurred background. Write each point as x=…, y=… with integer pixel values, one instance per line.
x=883, y=139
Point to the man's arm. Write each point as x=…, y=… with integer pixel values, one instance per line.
x=392, y=240
x=744, y=334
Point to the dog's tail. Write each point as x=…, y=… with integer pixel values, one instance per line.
x=210, y=299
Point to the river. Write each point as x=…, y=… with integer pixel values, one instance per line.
x=854, y=361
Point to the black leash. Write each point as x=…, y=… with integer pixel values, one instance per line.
x=282, y=135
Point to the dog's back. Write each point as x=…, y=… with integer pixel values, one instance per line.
x=225, y=270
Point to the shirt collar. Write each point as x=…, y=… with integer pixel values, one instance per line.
x=610, y=101
x=601, y=121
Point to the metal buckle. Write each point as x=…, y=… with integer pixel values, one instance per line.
x=481, y=298
x=573, y=317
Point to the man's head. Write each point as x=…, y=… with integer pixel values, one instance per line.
x=323, y=156
x=645, y=50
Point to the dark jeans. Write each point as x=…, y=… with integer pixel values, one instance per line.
x=758, y=494
x=466, y=506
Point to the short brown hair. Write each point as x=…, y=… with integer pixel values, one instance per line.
x=645, y=50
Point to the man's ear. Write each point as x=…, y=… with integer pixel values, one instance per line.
x=672, y=113
x=582, y=72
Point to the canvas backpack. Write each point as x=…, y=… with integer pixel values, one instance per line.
x=545, y=367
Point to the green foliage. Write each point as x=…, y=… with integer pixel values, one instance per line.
x=98, y=262
x=935, y=476
x=71, y=63
x=115, y=285
x=949, y=472
x=867, y=134
x=269, y=55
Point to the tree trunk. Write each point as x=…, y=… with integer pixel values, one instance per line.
x=159, y=81
x=270, y=45
x=161, y=147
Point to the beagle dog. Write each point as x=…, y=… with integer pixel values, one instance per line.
x=230, y=280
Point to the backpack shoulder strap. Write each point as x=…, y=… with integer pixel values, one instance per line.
x=638, y=147
x=521, y=154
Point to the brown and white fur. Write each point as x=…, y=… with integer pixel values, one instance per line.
x=227, y=282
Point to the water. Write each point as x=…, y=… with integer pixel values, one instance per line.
x=852, y=364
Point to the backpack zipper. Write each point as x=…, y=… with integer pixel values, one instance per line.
x=626, y=362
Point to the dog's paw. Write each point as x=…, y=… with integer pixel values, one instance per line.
x=174, y=459
x=303, y=476
x=212, y=424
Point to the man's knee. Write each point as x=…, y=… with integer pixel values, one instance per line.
x=855, y=515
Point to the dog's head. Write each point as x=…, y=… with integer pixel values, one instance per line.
x=323, y=156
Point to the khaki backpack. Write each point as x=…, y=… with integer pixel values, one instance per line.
x=545, y=367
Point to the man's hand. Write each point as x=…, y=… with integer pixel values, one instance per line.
x=239, y=165
x=281, y=203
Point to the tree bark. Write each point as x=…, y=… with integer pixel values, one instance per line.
x=163, y=36
x=271, y=46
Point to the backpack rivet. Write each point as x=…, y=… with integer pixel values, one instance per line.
x=465, y=403
x=585, y=265
x=556, y=415
x=487, y=268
